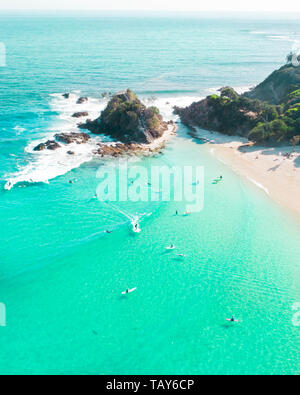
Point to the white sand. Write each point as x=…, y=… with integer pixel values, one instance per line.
x=268, y=168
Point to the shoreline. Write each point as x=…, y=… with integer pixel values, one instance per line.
x=266, y=167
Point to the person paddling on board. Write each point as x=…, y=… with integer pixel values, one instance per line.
x=233, y=320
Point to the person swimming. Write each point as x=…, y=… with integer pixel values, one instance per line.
x=172, y=247
x=108, y=231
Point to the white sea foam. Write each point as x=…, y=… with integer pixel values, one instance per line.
x=282, y=36
x=239, y=89
x=19, y=130
x=166, y=105
x=46, y=165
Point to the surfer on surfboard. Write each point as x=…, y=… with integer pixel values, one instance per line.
x=232, y=319
x=129, y=291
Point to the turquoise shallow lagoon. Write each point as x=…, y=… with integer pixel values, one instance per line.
x=61, y=276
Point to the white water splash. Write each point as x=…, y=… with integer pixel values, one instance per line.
x=46, y=165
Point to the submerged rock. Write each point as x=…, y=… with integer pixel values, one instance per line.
x=127, y=119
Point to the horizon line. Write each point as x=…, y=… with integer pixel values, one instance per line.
x=147, y=10
x=219, y=14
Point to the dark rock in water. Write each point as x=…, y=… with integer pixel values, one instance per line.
x=118, y=150
x=65, y=138
x=69, y=138
x=40, y=147
x=52, y=145
x=80, y=114
x=66, y=95
x=277, y=86
x=82, y=100
x=127, y=120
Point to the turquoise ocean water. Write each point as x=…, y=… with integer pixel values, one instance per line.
x=61, y=276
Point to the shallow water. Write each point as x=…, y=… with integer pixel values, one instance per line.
x=62, y=276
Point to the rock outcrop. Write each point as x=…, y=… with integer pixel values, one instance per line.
x=80, y=114
x=127, y=120
x=120, y=150
x=65, y=138
x=82, y=100
x=70, y=138
x=51, y=145
x=228, y=113
x=270, y=113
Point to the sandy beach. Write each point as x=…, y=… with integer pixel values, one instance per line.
x=268, y=168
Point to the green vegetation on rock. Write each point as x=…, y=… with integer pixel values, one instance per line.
x=127, y=119
x=270, y=113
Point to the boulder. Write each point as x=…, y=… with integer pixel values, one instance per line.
x=40, y=147
x=80, y=114
x=52, y=145
x=82, y=100
x=70, y=138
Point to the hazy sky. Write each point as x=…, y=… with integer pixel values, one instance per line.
x=188, y=5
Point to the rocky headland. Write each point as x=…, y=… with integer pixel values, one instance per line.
x=268, y=114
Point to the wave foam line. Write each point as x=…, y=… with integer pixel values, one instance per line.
x=259, y=185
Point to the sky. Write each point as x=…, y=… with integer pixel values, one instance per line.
x=174, y=5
